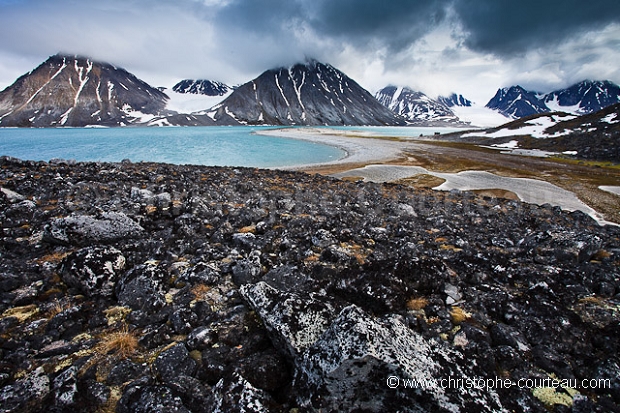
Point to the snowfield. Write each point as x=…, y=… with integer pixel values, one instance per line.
x=189, y=102
x=534, y=127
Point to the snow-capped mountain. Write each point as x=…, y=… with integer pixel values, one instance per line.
x=516, y=102
x=455, y=100
x=416, y=107
x=76, y=91
x=304, y=94
x=582, y=98
x=202, y=87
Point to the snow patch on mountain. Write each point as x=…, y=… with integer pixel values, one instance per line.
x=611, y=118
x=480, y=116
x=416, y=107
x=189, y=103
x=534, y=127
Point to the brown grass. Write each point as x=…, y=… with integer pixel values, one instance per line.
x=200, y=291
x=422, y=181
x=601, y=255
x=459, y=315
x=54, y=258
x=417, y=303
x=57, y=308
x=21, y=313
x=122, y=343
x=497, y=193
x=249, y=229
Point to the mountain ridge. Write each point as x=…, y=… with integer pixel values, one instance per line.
x=202, y=87
x=585, y=97
x=419, y=109
x=593, y=136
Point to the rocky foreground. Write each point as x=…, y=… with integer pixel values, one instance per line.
x=157, y=288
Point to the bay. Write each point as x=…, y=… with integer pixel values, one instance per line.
x=214, y=146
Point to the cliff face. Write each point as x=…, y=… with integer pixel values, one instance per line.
x=151, y=287
x=76, y=91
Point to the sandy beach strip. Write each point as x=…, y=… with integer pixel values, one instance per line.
x=358, y=150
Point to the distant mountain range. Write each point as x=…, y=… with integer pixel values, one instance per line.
x=419, y=109
x=76, y=91
x=202, y=87
x=582, y=98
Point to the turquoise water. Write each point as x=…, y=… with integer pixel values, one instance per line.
x=217, y=146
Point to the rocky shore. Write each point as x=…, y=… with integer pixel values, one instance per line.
x=160, y=288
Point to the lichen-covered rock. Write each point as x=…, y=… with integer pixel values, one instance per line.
x=94, y=270
x=237, y=394
x=85, y=229
x=174, y=362
x=295, y=321
x=142, y=288
x=65, y=388
x=25, y=394
x=12, y=196
x=150, y=398
x=351, y=362
x=248, y=270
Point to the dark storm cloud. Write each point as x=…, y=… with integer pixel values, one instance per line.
x=509, y=27
x=501, y=27
x=235, y=40
x=395, y=24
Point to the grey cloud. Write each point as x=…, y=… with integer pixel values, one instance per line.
x=395, y=24
x=238, y=39
x=500, y=27
x=511, y=27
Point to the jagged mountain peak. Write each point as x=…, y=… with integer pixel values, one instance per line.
x=202, y=87
x=516, y=102
x=455, y=100
x=74, y=90
x=308, y=93
x=416, y=107
x=587, y=96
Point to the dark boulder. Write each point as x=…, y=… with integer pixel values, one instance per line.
x=93, y=270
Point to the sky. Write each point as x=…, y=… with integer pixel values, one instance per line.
x=472, y=47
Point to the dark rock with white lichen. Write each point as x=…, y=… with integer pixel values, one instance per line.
x=154, y=288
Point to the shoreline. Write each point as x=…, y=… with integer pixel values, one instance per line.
x=357, y=150
x=382, y=155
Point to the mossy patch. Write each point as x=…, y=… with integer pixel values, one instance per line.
x=21, y=313
x=116, y=314
x=549, y=396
